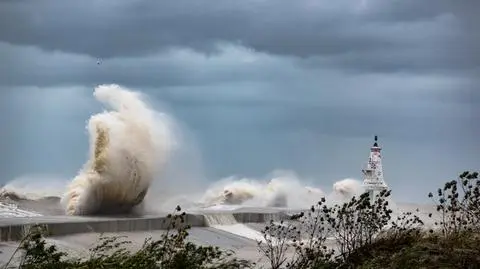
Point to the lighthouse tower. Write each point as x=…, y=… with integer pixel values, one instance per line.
x=373, y=181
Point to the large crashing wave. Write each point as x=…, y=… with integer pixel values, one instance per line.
x=128, y=147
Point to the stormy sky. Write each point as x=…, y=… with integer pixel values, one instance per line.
x=258, y=85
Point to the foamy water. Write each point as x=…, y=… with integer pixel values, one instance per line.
x=12, y=210
x=228, y=223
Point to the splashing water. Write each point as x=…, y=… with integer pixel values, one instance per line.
x=283, y=189
x=128, y=147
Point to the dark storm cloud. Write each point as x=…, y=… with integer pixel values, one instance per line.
x=369, y=34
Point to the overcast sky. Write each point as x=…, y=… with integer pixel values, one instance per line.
x=259, y=85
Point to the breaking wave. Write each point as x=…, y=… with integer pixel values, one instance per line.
x=128, y=147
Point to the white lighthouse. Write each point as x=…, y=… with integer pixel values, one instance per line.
x=373, y=181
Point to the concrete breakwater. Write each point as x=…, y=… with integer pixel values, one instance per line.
x=14, y=229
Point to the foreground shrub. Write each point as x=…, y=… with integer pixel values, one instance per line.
x=459, y=204
x=352, y=225
x=361, y=233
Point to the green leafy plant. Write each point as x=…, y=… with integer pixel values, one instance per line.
x=352, y=225
x=37, y=254
x=277, y=238
x=458, y=203
x=357, y=222
x=311, y=250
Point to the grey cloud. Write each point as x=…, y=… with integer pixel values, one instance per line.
x=235, y=76
x=32, y=66
x=407, y=10
x=299, y=28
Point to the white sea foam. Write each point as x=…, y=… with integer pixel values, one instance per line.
x=12, y=210
x=227, y=222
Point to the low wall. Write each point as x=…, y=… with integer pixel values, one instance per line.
x=14, y=229
x=15, y=232
x=246, y=217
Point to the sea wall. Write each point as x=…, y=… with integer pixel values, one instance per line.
x=14, y=229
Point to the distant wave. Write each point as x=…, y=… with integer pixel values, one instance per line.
x=14, y=204
x=6, y=195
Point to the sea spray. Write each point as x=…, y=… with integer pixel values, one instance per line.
x=344, y=190
x=183, y=175
x=282, y=189
x=128, y=148
x=348, y=186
